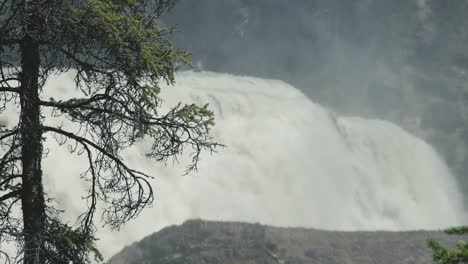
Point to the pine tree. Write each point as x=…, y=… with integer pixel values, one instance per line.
x=120, y=54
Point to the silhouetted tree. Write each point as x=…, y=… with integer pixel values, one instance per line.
x=120, y=54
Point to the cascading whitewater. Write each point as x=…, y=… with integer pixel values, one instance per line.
x=288, y=162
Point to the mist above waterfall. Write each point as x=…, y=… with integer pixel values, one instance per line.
x=288, y=162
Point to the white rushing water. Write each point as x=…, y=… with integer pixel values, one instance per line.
x=288, y=162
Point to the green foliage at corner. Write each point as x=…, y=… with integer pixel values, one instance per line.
x=448, y=256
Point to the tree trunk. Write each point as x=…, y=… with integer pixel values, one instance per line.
x=32, y=196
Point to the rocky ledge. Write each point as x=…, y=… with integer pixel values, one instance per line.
x=198, y=242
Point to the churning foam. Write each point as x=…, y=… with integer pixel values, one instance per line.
x=288, y=162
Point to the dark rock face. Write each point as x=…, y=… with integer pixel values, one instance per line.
x=204, y=242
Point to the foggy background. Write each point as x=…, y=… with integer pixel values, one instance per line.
x=404, y=61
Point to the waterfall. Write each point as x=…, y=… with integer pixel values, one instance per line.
x=288, y=162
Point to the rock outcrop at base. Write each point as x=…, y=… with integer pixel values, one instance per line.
x=207, y=242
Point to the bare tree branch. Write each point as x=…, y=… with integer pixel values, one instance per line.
x=127, y=206
x=9, y=178
x=92, y=144
x=9, y=89
x=8, y=134
x=10, y=195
